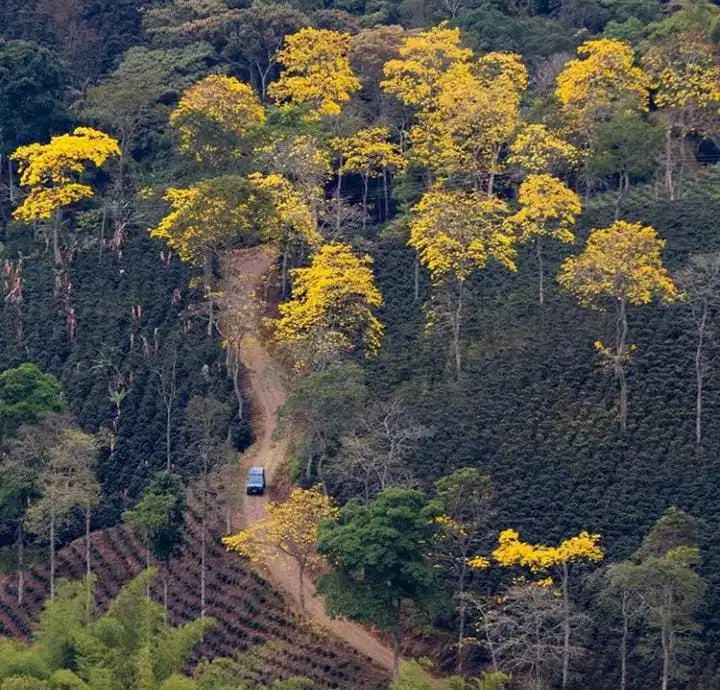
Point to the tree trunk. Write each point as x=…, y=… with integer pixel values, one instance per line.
x=623, y=644
x=147, y=565
x=461, y=616
x=620, y=348
x=88, y=570
x=699, y=375
x=386, y=194
x=207, y=280
x=57, y=257
x=669, y=186
x=11, y=190
x=285, y=269
x=566, y=627
x=396, y=653
x=168, y=426
x=541, y=271
x=21, y=563
x=165, y=597
x=416, y=275
x=456, y=329
x=301, y=587
x=338, y=189
x=52, y=553
x=666, y=656
x=203, y=546
x=366, y=184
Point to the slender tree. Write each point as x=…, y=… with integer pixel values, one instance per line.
x=621, y=265
x=289, y=529
x=699, y=281
x=539, y=558
x=206, y=421
x=378, y=551
x=456, y=233
x=465, y=497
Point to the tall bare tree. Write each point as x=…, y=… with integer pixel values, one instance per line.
x=206, y=421
x=378, y=452
x=700, y=282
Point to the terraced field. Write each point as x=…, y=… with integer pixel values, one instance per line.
x=251, y=614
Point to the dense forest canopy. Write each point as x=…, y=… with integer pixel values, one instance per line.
x=495, y=294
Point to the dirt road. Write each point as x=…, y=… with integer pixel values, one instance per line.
x=267, y=390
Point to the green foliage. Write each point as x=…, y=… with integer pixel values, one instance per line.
x=32, y=84
x=160, y=514
x=25, y=393
x=121, y=649
x=379, y=554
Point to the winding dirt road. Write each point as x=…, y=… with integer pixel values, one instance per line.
x=245, y=271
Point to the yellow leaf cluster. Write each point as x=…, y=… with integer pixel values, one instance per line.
x=685, y=72
x=479, y=562
x=317, y=71
x=548, y=208
x=424, y=57
x=622, y=262
x=456, y=232
x=213, y=214
x=369, y=152
x=335, y=296
x=603, y=84
x=212, y=109
x=50, y=170
x=290, y=528
x=537, y=149
x=476, y=111
x=538, y=557
x=292, y=216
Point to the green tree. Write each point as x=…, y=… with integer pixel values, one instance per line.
x=25, y=393
x=464, y=497
x=160, y=515
x=323, y=405
x=66, y=478
x=379, y=551
x=32, y=84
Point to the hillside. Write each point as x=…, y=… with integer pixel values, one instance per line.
x=251, y=614
x=448, y=271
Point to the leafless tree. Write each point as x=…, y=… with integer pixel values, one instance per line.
x=166, y=380
x=700, y=281
x=206, y=421
x=526, y=631
x=377, y=453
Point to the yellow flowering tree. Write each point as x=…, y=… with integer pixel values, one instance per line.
x=292, y=224
x=305, y=160
x=214, y=215
x=583, y=547
x=316, y=71
x=475, y=115
x=455, y=233
x=548, y=208
x=424, y=57
x=537, y=149
x=332, y=307
x=602, y=84
x=289, y=529
x=213, y=116
x=369, y=153
x=622, y=265
x=50, y=172
x=685, y=73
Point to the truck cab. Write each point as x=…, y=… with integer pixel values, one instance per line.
x=255, y=481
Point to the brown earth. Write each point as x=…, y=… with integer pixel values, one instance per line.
x=267, y=388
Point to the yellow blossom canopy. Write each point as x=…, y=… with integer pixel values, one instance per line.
x=50, y=170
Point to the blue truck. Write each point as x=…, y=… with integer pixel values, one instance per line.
x=255, y=481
